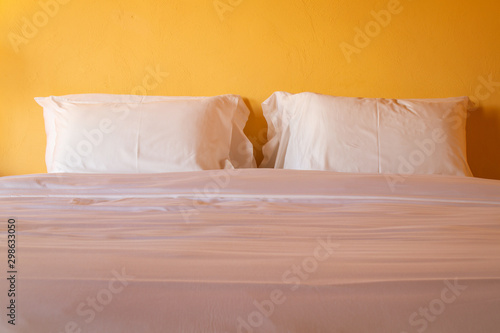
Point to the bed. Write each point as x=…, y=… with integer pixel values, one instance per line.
x=282, y=249
x=260, y=251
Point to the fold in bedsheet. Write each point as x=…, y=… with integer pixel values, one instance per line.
x=252, y=251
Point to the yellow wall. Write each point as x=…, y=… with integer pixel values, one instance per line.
x=247, y=47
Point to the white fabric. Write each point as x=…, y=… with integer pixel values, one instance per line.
x=318, y=132
x=253, y=251
x=92, y=133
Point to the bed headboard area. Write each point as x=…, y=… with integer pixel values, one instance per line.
x=395, y=49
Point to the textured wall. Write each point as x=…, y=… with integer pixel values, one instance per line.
x=413, y=49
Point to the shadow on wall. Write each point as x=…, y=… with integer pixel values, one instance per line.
x=483, y=139
x=256, y=130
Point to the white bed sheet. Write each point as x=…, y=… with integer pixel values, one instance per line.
x=252, y=251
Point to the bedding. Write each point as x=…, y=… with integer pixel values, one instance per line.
x=92, y=133
x=309, y=131
x=251, y=250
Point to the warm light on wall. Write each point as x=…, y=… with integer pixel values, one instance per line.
x=390, y=48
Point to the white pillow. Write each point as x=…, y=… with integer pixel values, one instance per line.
x=103, y=133
x=369, y=135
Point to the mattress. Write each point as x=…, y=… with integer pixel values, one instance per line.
x=249, y=251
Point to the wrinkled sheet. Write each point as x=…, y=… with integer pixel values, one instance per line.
x=252, y=251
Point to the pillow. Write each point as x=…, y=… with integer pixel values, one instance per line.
x=100, y=133
x=368, y=135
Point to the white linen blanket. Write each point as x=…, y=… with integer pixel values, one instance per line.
x=249, y=251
